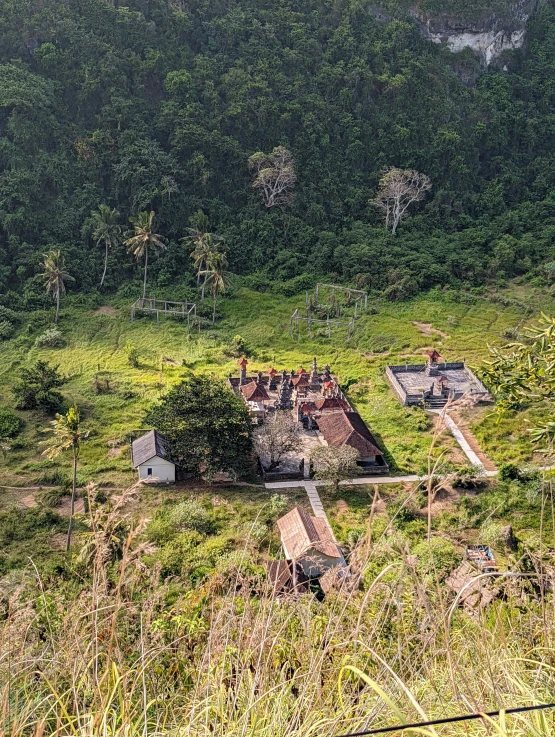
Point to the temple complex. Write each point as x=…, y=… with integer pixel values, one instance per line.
x=315, y=400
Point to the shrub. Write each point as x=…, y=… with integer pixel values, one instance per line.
x=50, y=498
x=6, y=329
x=492, y=533
x=509, y=472
x=7, y=314
x=439, y=557
x=51, y=338
x=174, y=555
x=191, y=515
x=237, y=348
x=132, y=355
x=296, y=285
x=10, y=423
x=36, y=387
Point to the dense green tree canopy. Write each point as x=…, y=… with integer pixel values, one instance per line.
x=208, y=427
x=158, y=105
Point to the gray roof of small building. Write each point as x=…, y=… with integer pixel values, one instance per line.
x=147, y=446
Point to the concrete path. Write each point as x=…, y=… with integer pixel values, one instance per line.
x=314, y=499
x=462, y=441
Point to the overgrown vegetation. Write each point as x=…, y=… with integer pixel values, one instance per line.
x=158, y=107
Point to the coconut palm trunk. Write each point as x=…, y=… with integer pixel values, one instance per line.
x=57, y=306
x=215, y=302
x=73, y=493
x=146, y=266
x=105, y=265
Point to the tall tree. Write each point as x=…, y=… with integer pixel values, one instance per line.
x=203, y=243
x=106, y=230
x=274, y=175
x=278, y=436
x=207, y=426
x=397, y=190
x=67, y=435
x=334, y=464
x=143, y=239
x=216, y=277
x=55, y=276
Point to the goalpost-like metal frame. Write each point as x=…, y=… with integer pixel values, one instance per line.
x=359, y=306
x=185, y=310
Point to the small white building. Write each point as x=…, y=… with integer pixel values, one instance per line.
x=150, y=457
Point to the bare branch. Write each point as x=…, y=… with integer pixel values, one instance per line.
x=398, y=189
x=274, y=175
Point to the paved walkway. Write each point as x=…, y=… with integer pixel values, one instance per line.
x=462, y=441
x=314, y=499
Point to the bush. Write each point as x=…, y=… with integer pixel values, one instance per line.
x=36, y=388
x=132, y=355
x=439, y=557
x=237, y=348
x=6, y=329
x=295, y=286
x=7, y=315
x=174, y=555
x=191, y=515
x=509, y=472
x=51, y=338
x=10, y=423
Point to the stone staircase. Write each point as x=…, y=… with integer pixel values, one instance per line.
x=435, y=402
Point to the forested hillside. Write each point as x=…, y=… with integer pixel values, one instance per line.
x=158, y=105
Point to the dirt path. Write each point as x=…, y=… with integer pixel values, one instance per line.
x=427, y=329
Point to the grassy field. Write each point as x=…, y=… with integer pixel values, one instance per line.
x=97, y=339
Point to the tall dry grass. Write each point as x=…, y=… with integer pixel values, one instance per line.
x=114, y=650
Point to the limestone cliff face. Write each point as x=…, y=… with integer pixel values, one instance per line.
x=487, y=33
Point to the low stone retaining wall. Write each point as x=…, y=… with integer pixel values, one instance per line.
x=480, y=391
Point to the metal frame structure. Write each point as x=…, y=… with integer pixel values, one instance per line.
x=311, y=302
x=362, y=296
x=179, y=309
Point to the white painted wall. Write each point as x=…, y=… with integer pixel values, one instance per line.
x=314, y=563
x=162, y=470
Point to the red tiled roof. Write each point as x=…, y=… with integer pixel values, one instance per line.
x=272, y=371
x=302, y=371
x=300, y=533
x=348, y=428
x=242, y=361
x=300, y=381
x=254, y=392
x=307, y=408
x=434, y=355
x=329, y=384
x=442, y=380
x=331, y=403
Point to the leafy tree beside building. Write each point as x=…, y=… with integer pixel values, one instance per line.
x=208, y=428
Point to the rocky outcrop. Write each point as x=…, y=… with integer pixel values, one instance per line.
x=488, y=34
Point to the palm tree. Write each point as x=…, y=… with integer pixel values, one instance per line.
x=203, y=242
x=144, y=237
x=216, y=277
x=106, y=230
x=55, y=276
x=67, y=434
x=203, y=253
